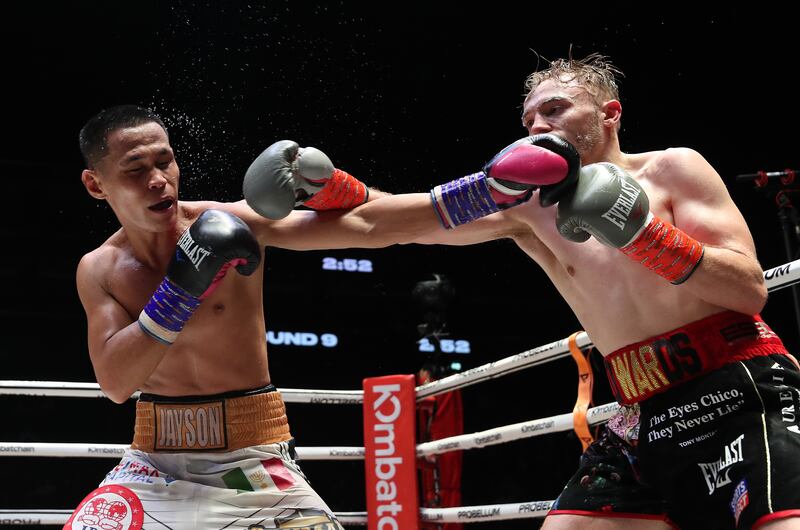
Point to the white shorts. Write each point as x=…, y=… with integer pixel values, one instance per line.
x=252, y=488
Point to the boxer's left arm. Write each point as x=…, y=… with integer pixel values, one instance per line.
x=509, y=179
x=701, y=242
x=121, y=355
x=286, y=175
x=703, y=208
x=394, y=219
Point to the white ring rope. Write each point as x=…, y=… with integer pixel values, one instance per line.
x=782, y=276
x=92, y=450
x=486, y=512
x=542, y=354
x=516, y=431
x=59, y=517
x=462, y=514
x=775, y=278
x=497, y=435
x=67, y=389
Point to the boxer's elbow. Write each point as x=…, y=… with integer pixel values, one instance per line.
x=118, y=397
x=756, y=289
x=749, y=297
x=758, y=297
x=113, y=387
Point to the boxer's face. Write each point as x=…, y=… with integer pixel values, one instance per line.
x=138, y=177
x=566, y=110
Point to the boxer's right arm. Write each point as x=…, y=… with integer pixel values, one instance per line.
x=123, y=357
x=125, y=353
x=205, y=251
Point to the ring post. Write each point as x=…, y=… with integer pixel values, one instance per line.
x=390, y=453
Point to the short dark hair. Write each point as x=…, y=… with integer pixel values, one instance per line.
x=93, y=135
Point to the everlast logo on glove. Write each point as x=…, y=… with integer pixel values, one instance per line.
x=618, y=214
x=641, y=370
x=193, y=251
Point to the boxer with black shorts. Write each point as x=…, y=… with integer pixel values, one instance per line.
x=659, y=266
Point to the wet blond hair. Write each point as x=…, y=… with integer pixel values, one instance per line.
x=594, y=72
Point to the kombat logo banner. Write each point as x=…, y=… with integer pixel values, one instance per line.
x=716, y=473
x=390, y=453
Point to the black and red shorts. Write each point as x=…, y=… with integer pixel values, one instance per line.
x=717, y=441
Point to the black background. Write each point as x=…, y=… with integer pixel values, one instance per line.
x=402, y=95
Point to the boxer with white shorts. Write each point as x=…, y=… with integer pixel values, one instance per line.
x=212, y=447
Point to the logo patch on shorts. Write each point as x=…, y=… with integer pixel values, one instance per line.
x=190, y=426
x=716, y=473
x=109, y=508
x=740, y=500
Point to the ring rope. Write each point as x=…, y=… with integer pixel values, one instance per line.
x=59, y=517
x=92, y=450
x=515, y=431
x=68, y=389
x=497, y=435
x=463, y=514
x=487, y=512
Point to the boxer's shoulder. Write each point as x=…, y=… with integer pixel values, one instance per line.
x=112, y=258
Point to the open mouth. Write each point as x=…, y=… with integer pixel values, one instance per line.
x=163, y=205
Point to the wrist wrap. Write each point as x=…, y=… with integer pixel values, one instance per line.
x=167, y=312
x=463, y=200
x=666, y=250
x=341, y=192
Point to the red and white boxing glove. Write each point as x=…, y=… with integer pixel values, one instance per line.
x=286, y=175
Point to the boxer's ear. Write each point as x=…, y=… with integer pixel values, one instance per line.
x=92, y=184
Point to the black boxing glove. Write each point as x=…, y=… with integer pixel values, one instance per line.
x=215, y=242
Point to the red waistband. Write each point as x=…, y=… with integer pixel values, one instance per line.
x=641, y=370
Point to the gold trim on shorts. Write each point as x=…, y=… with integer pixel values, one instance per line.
x=224, y=424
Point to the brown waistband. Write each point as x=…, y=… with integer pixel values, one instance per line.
x=641, y=370
x=210, y=423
